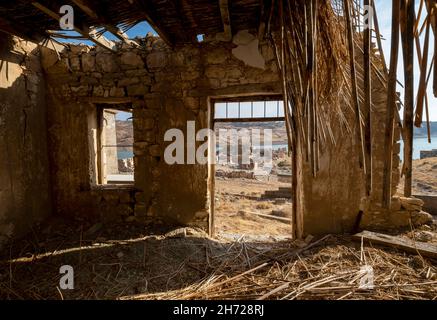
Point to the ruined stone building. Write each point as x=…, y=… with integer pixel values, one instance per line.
x=53, y=98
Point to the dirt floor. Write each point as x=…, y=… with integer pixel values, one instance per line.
x=424, y=177
x=132, y=262
x=238, y=199
x=251, y=257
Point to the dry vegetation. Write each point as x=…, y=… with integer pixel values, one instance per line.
x=238, y=199
x=424, y=176
x=120, y=262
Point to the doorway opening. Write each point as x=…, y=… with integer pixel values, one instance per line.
x=252, y=175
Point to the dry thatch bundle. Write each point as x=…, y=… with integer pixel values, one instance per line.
x=311, y=52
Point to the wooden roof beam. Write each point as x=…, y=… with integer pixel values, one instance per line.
x=14, y=29
x=263, y=15
x=103, y=42
x=226, y=35
x=151, y=21
x=89, y=11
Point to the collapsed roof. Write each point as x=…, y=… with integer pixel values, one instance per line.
x=176, y=21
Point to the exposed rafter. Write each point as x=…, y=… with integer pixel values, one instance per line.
x=185, y=19
x=151, y=21
x=102, y=42
x=226, y=20
x=13, y=28
x=88, y=9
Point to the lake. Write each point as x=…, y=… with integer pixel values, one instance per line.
x=420, y=144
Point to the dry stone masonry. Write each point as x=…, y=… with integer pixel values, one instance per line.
x=54, y=125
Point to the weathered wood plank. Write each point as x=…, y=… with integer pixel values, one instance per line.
x=391, y=105
x=267, y=216
x=407, y=32
x=424, y=249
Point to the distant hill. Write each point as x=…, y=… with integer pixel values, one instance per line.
x=278, y=128
x=125, y=130
x=125, y=133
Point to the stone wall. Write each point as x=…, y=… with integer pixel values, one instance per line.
x=24, y=174
x=167, y=88
x=334, y=199
x=425, y=154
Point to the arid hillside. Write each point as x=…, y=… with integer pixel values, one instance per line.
x=125, y=133
x=424, y=177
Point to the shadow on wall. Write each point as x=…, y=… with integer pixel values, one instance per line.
x=24, y=169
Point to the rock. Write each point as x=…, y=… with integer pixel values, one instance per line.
x=279, y=213
x=215, y=72
x=75, y=63
x=420, y=218
x=88, y=63
x=131, y=59
x=48, y=57
x=116, y=92
x=120, y=255
x=411, y=204
x=156, y=60
x=128, y=81
x=217, y=56
x=98, y=91
x=106, y=63
x=137, y=90
x=423, y=236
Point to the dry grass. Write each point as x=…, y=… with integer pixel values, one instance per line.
x=236, y=198
x=120, y=262
x=327, y=269
x=424, y=177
